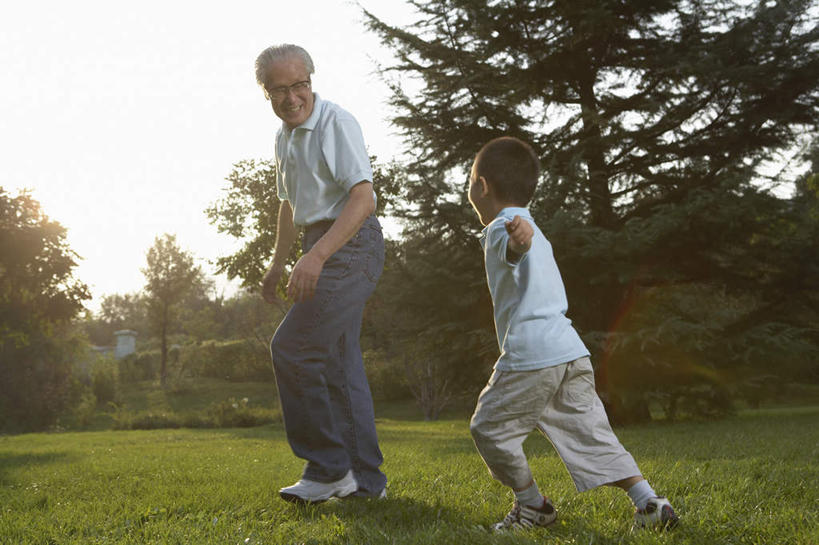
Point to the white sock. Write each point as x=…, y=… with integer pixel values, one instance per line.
x=640, y=493
x=530, y=497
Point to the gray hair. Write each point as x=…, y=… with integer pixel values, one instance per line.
x=279, y=52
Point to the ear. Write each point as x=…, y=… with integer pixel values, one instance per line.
x=485, y=188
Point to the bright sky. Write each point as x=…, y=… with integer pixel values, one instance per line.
x=123, y=119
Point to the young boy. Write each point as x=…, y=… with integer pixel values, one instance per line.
x=543, y=378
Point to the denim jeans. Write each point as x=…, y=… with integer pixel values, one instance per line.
x=325, y=398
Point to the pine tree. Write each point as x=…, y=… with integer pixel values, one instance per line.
x=653, y=121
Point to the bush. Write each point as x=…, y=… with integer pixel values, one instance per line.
x=234, y=413
x=37, y=381
x=105, y=380
x=139, y=366
x=386, y=376
x=231, y=413
x=240, y=360
x=84, y=411
x=124, y=420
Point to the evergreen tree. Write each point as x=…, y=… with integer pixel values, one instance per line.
x=652, y=121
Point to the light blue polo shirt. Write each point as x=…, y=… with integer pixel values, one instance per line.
x=319, y=161
x=529, y=299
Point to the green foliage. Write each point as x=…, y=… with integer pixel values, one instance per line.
x=236, y=413
x=105, y=380
x=248, y=212
x=236, y=360
x=230, y=413
x=141, y=365
x=83, y=412
x=385, y=376
x=171, y=276
x=117, y=312
x=239, y=360
x=38, y=300
x=652, y=122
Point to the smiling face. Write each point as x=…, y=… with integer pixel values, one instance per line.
x=295, y=104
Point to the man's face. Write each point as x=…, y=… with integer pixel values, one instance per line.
x=292, y=100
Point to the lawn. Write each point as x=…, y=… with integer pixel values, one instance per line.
x=751, y=479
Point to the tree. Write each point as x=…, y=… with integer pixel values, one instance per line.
x=117, y=311
x=653, y=121
x=39, y=297
x=171, y=276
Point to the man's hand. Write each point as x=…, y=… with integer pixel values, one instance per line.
x=520, y=235
x=269, y=283
x=305, y=275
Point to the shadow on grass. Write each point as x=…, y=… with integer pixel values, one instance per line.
x=406, y=520
x=11, y=461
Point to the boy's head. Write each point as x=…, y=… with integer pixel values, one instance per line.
x=504, y=173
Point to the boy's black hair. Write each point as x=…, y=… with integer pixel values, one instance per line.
x=511, y=167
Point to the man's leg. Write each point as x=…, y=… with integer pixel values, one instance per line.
x=314, y=379
x=353, y=406
x=300, y=350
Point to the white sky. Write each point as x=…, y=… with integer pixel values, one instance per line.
x=123, y=119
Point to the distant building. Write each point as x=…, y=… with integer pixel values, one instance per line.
x=126, y=343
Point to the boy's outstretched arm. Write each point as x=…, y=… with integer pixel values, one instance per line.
x=520, y=235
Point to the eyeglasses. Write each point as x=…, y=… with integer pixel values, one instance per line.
x=280, y=92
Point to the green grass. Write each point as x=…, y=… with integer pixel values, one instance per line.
x=750, y=479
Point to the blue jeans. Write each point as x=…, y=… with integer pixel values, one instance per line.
x=325, y=398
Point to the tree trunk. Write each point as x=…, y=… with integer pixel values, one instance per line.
x=602, y=214
x=163, y=366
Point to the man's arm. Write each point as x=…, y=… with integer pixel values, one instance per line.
x=303, y=279
x=286, y=234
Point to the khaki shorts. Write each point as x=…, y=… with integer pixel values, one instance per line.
x=562, y=403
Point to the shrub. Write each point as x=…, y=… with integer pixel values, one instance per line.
x=234, y=413
x=84, y=411
x=105, y=380
x=124, y=420
x=239, y=360
x=386, y=376
x=139, y=366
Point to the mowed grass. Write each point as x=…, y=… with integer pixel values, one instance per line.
x=750, y=479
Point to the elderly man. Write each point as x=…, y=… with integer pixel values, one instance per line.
x=325, y=186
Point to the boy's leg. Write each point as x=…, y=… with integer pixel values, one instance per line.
x=577, y=425
x=506, y=413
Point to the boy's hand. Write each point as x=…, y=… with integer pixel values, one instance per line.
x=520, y=235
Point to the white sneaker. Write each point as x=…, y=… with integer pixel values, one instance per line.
x=307, y=491
x=658, y=513
x=523, y=517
